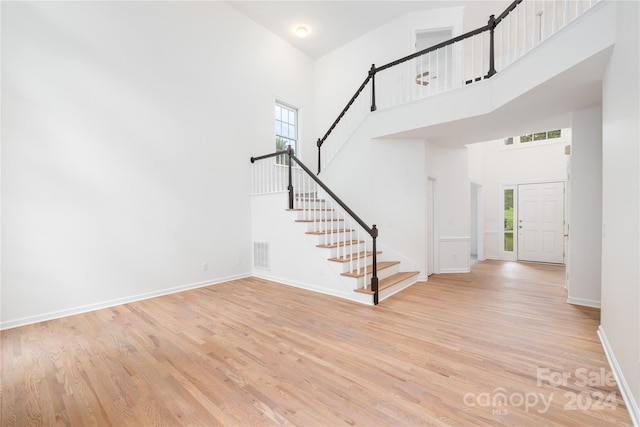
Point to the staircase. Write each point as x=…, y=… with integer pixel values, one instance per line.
x=347, y=254
x=346, y=243
x=322, y=233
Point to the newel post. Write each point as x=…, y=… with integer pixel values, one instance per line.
x=374, y=266
x=319, y=144
x=372, y=75
x=290, y=187
x=492, y=63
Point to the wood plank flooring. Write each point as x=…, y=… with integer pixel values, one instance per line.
x=487, y=348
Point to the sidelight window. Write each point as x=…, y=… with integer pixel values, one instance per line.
x=508, y=220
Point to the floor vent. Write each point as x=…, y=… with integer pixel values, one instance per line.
x=261, y=255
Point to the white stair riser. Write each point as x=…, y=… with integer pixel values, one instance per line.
x=345, y=267
x=324, y=225
x=321, y=220
x=345, y=250
x=382, y=274
x=298, y=204
x=315, y=215
x=385, y=293
x=324, y=239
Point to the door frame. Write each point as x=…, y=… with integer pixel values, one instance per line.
x=513, y=256
x=516, y=218
x=477, y=193
x=502, y=254
x=435, y=246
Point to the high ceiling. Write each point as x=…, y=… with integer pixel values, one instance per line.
x=332, y=23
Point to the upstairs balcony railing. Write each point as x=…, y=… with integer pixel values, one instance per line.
x=467, y=58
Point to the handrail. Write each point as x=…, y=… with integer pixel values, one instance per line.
x=342, y=113
x=491, y=25
x=433, y=48
x=372, y=231
x=266, y=156
x=508, y=10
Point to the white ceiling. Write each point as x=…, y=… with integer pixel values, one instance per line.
x=333, y=23
x=336, y=23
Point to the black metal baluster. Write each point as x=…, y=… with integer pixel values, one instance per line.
x=372, y=76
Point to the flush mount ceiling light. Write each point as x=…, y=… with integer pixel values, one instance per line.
x=302, y=31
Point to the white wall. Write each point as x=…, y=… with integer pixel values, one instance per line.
x=585, y=208
x=385, y=182
x=477, y=12
x=293, y=255
x=340, y=73
x=620, y=322
x=494, y=166
x=126, y=130
x=453, y=210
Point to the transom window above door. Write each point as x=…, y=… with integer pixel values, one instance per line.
x=557, y=135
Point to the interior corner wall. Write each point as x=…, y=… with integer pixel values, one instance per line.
x=453, y=210
x=341, y=72
x=384, y=183
x=620, y=313
x=585, y=196
x=127, y=129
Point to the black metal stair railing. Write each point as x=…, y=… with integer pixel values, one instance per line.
x=525, y=24
x=309, y=194
x=490, y=27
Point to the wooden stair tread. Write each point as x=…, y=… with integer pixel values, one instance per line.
x=309, y=210
x=353, y=256
x=395, y=279
x=318, y=220
x=381, y=266
x=389, y=281
x=323, y=232
x=359, y=272
x=340, y=244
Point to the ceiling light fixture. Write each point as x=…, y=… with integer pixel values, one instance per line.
x=302, y=31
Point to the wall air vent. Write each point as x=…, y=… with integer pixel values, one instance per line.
x=261, y=255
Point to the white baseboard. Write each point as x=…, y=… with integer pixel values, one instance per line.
x=455, y=270
x=623, y=385
x=351, y=296
x=584, y=302
x=23, y=321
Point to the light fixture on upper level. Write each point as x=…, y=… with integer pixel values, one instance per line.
x=302, y=31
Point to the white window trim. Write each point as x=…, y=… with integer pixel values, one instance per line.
x=285, y=103
x=565, y=138
x=502, y=254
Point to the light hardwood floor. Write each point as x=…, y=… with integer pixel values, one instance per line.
x=253, y=352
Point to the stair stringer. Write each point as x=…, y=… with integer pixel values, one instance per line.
x=395, y=271
x=294, y=258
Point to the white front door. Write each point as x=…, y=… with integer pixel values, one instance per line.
x=541, y=222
